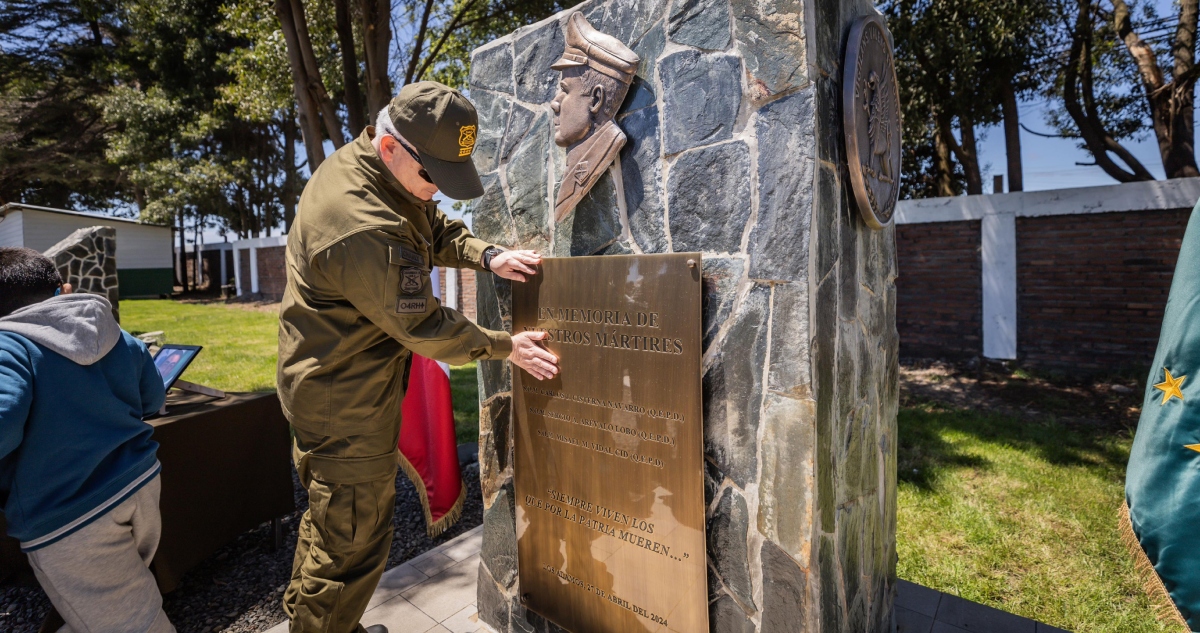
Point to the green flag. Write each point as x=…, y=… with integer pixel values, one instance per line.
x=1162, y=485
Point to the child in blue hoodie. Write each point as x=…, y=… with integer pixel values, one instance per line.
x=78, y=471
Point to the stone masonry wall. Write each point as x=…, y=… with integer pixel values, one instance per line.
x=87, y=259
x=735, y=150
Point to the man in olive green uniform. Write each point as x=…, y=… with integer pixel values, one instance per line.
x=358, y=303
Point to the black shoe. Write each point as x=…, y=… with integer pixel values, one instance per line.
x=377, y=628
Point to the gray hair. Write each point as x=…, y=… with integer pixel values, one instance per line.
x=383, y=124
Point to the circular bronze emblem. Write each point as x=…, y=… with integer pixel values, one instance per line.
x=871, y=117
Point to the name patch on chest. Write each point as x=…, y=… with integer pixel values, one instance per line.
x=410, y=305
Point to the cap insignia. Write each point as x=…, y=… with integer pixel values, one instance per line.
x=466, y=140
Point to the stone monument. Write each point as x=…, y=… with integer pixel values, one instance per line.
x=734, y=149
x=87, y=259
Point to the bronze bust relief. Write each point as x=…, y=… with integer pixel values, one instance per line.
x=596, y=70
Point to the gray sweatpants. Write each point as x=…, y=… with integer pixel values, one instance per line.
x=98, y=578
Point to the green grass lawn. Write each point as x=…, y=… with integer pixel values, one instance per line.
x=240, y=347
x=1019, y=515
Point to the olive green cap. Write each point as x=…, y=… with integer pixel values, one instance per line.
x=442, y=125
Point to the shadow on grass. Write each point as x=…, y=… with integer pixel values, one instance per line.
x=926, y=452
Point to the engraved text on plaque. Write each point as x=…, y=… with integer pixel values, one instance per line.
x=609, y=453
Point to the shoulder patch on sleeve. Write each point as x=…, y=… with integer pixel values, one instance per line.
x=402, y=254
x=410, y=305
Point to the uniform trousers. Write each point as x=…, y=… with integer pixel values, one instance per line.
x=345, y=536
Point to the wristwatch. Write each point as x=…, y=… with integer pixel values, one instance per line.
x=488, y=254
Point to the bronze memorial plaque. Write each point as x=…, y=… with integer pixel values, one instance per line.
x=609, y=454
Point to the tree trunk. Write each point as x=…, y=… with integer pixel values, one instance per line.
x=377, y=38
x=310, y=124
x=198, y=244
x=1077, y=86
x=418, y=43
x=289, y=166
x=355, y=110
x=969, y=157
x=1012, y=136
x=181, y=257
x=333, y=124
x=945, y=164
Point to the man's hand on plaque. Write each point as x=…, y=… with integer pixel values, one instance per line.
x=515, y=265
x=531, y=357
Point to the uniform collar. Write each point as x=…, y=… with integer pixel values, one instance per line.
x=369, y=158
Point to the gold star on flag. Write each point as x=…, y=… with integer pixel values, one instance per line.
x=1170, y=387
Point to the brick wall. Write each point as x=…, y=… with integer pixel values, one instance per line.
x=1092, y=288
x=244, y=263
x=466, y=294
x=272, y=272
x=938, y=293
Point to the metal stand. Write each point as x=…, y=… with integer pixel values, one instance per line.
x=184, y=385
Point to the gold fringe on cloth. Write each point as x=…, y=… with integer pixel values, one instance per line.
x=1160, y=599
x=432, y=528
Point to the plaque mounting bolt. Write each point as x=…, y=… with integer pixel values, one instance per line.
x=691, y=263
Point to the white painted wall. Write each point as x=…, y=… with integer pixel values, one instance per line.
x=138, y=245
x=12, y=233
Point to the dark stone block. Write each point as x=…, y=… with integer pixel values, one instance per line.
x=825, y=221
x=770, y=35
x=733, y=391
x=701, y=96
x=721, y=276
x=850, y=480
x=847, y=376
x=708, y=193
x=616, y=248
x=831, y=603
x=830, y=138
x=492, y=602
x=725, y=616
x=779, y=240
x=727, y=551
x=534, y=51
x=849, y=226
x=790, y=341
x=825, y=343
x=493, y=221
x=645, y=84
x=594, y=224
x=527, y=186
x=629, y=20
x=827, y=25
x=641, y=178
x=784, y=588
x=496, y=420
x=499, y=551
x=712, y=483
x=701, y=23
x=493, y=118
x=917, y=598
x=850, y=535
x=518, y=127
x=492, y=69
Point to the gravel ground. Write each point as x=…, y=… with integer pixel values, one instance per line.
x=238, y=589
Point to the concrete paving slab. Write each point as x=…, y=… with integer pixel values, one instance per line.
x=978, y=618
x=916, y=598
x=912, y=622
x=400, y=616
x=447, y=593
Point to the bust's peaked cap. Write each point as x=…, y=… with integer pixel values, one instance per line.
x=585, y=46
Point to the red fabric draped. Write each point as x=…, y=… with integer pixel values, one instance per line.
x=428, y=449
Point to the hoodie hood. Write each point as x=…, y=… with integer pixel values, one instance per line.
x=80, y=326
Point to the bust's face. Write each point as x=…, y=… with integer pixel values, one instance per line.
x=572, y=108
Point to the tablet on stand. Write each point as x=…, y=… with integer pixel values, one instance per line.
x=171, y=361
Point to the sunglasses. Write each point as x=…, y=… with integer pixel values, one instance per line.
x=411, y=152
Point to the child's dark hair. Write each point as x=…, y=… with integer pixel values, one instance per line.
x=26, y=277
